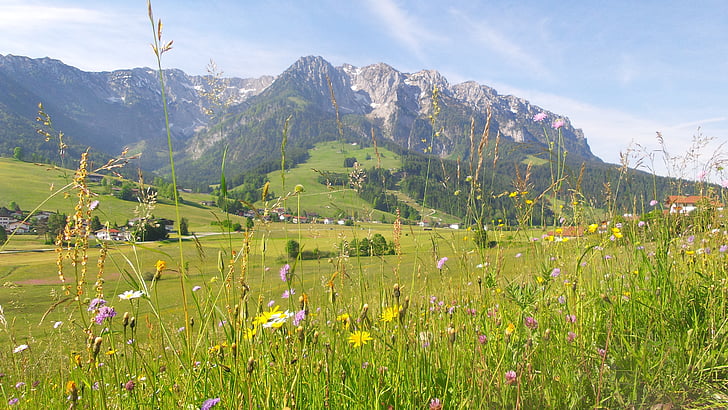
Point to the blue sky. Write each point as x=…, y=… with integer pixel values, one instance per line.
x=620, y=70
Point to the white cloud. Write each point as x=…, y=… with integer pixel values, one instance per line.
x=30, y=17
x=402, y=26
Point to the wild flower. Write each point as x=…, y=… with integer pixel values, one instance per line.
x=288, y=293
x=56, y=325
x=390, y=313
x=539, y=117
x=299, y=317
x=441, y=262
x=95, y=304
x=284, y=272
x=196, y=288
x=209, y=403
x=570, y=337
x=482, y=339
x=510, y=377
x=19, y=385
x=723, y=248
x=530, y=322
x=160, y=265
x=129, y=386
x=558, y=124
x=510, y=328
x=555, y=272
x=435, y=404
x=20, y=348
x=359, y=338
x=571, y=318
x=131, y=294
x=104, y=312
x=653, y=202
x=13, y=401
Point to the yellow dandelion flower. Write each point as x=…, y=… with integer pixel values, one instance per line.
x=249, y=333
x=160, y=265
x=593, y=228
x=359, y=338
x=559, y=231
x=513, y=194
x=618, y=234
x=539, y=279
x=510, y=329
x=390, y=313
x=529, y=202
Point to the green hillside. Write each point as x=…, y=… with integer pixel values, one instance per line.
x=333, y=200
x=46, y=188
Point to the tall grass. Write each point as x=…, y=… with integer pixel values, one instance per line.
x=631, y=314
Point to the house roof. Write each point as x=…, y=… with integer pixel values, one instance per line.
x=689, y=200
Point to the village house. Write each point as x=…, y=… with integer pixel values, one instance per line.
x=680, y=204
x=18, y=227
x=111, y=234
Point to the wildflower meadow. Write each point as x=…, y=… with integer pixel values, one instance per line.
x=598, y=310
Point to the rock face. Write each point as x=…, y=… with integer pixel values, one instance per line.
x=113, y=110
x=397, y=102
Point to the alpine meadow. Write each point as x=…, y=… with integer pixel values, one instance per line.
x=344, y=237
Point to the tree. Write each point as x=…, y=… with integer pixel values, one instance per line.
x=184, y=226
x=18, y=153
x=153, y=231
x=293, y=248
x=96, y=223
x=249, y=223
x=126, y=193
x=349, y=162
x=3, y=235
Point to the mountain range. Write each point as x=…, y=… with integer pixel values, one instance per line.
x=110, y=111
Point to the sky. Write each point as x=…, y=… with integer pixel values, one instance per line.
x=619, y=70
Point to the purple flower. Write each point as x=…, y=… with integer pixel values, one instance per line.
x=691, y=238
x=562, y=299
x=510, y=377
x=95, y=304
x=571, y=318
x=435, y=404
x=196, y=288
x=558, y=124
x=93, y=205
x=724, y=183
x=570, y=337
x=539, y=117
x=288, y=293
x=441, y=262
x=641, y=223
x=210, y=403
x=19, y=385
x=530, y=322
x=602, y=352
x=653, y=202
x=518, y=255
x=13, y=401
x=482, y=339
x=723, y=248
x=129, y=386
x=285, y=270
x=105, y=312
x=271, y=303
x=298, y=317
x=556, y=272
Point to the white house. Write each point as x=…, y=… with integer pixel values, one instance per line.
x=19, y=227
